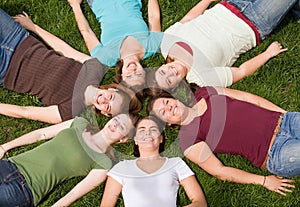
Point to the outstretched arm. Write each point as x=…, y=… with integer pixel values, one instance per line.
x=111, y=193
x=48, y=114
x=87, y=33
x=34, y=136
x=250, y=98
x=202, y=155
x=194, y=192
x=154, y=16
x=91, y=181
x=196, y=10
x=253, y=64
x=56, y=43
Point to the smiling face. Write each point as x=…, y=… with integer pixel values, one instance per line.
x=169, y=75
x=108, y=101
x=148, y=135
x=170, y=110
x=118, y=127
x=133, y=72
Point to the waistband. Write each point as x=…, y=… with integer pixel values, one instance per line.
x=240, y=15
x=276, y=130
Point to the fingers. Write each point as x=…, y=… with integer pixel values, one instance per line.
x=285, y=186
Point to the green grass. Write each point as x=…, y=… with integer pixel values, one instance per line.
x=277, y=81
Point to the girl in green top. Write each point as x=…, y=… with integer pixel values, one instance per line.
x=26, y=178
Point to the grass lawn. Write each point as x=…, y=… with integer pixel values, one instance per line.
x=278, y=81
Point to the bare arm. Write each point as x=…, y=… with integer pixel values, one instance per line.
x=197, y=10
x=154, y=16
x=87, y=33
x=111, y=193
x=35, y=136
x=250, y=98
x=253, y=64
x=91, y=181
x=202, y=155
x=56, y=43
x=49, y=114
x=194, y=192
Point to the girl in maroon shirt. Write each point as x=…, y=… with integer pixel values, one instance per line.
x=224, y=120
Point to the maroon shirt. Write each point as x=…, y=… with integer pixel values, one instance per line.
x=42, y=72
x=231, y=126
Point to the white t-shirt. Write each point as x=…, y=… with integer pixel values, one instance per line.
x=141, y=189
x=217, y=38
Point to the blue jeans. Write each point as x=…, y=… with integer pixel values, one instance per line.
x=284, y=155
x=14, y=190
x=264, y=14
x=11, y=35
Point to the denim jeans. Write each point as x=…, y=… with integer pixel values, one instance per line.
x=14, y=190
x=264, y=14
x=11, y=35
x=284, y=155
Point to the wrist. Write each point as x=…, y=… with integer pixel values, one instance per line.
x=3, y=149
x=264, y=181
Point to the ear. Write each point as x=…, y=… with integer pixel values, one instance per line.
x=124, y=139
x=161, y=138
x=104, y=113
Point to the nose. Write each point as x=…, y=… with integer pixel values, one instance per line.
x=104, y=100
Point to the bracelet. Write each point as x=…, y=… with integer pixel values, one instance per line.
x=264, y=181
x=2, y=148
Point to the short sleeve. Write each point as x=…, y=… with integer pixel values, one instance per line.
x=183, y=170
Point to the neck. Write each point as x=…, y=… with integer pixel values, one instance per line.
x=89, y=95
x=197, y=110
x=149, y=155
x=100, y=141
x=131, y=48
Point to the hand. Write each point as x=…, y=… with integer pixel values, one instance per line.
x=74, y=2
x=24, y=20
x=275, y=48
x=278, y=184
x=2, y=151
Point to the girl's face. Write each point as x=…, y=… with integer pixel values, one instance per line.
x=132, y=72
x=118, y=127
x=170, y=110
x=108, y=101
x=148, y=135
x=169, y=75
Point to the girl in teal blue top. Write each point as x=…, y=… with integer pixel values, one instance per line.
x=125, y=36
x=27, y=177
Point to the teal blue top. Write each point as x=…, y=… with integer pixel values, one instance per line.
x=119, y=19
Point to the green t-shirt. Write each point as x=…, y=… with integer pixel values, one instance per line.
x=63, y=157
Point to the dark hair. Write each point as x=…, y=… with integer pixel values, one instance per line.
x=161, y=126
x=131, y=104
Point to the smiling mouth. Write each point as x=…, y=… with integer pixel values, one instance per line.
x=98, y=98
x=131, y=65
x=175, y=110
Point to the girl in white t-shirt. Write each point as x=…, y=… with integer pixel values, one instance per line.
x=204, y=44
x=151, y=180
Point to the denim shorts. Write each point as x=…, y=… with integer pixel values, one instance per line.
x=264, y=14
x=14, y=190
x=284, y=155
x=11, y=35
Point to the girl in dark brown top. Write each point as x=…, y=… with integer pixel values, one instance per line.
x=65, y=83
